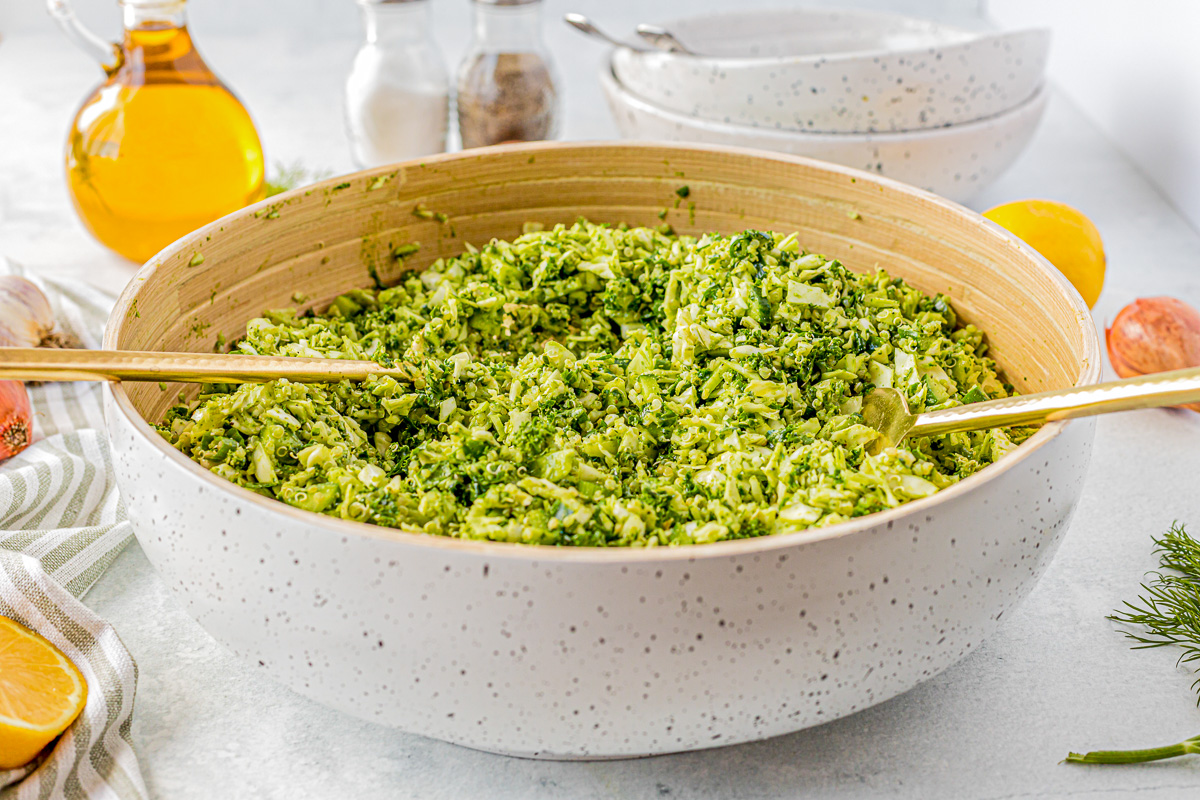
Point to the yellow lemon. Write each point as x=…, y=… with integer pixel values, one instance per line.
x=41, y=693
x=1062, y=234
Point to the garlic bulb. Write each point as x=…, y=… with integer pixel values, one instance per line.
x=1154, y=334
x=26, y=319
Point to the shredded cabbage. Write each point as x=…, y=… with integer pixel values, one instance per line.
x=600, y=386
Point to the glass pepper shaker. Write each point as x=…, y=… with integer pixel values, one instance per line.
x=398, y=92
x=506, y=83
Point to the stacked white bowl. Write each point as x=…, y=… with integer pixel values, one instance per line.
x=940, y=107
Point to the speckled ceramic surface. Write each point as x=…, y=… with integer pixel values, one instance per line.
x=581, y=653
x=956, y=162
x=836, y=71
x=562, y=657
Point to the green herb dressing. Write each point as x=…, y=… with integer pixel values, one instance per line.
x=605, y=386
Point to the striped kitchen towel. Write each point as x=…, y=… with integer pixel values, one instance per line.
x=61, y=525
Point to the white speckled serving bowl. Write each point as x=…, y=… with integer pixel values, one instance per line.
x=836, y=71
x=588, y=653
x=956, y=162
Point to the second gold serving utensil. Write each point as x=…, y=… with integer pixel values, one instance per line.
x=886, y=410
x=46, y=364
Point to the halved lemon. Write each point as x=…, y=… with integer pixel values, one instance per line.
x=41, y=693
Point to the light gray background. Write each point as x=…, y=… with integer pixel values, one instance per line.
x=1056, y=677
x=338, y=18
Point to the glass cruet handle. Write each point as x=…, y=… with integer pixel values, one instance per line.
x=107, y=53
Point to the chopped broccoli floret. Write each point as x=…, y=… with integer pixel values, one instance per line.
x=591, y=385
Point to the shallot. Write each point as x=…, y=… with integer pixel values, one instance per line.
x=1154, y=334
x=26, y=319
x=16, y=419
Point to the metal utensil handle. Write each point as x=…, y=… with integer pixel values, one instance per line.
x=584, y=25
x=45, y=364
x=663, y=39
x=1148, y=391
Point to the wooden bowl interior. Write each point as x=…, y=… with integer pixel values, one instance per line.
x=308, y=246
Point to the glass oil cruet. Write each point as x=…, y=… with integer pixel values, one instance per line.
x=161, y=147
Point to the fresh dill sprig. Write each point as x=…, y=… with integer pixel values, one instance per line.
x=1168, y=610
x=291, y=176
x=1135, y=756
x=1167, y=613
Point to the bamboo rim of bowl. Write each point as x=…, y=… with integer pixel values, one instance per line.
x=1089, y=374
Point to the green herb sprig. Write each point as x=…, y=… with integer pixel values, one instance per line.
x=1135, y=756
x=290, y=176
x=1166, y=613
x=1168, y=610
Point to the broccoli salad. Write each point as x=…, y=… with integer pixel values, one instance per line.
x=605, y=386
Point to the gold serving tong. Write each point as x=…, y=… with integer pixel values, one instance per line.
x=886, y=410
x=45, y=364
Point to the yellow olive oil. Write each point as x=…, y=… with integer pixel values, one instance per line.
x=161, y=147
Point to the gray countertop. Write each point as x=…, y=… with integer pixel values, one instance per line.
x=1056, y=677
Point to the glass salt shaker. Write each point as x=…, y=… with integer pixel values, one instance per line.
x=506, y=84
x=398, y=92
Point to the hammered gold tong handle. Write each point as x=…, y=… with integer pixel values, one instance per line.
x=886, y=411
x=45, y=364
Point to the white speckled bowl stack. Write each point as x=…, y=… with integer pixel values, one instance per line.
x=940, y=107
